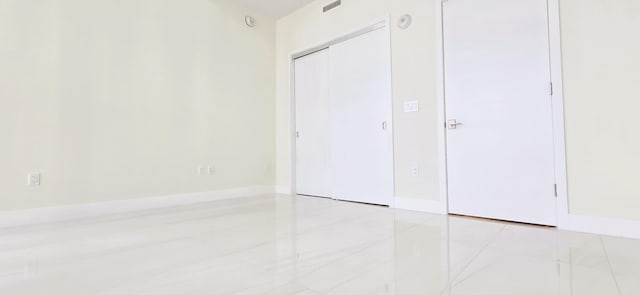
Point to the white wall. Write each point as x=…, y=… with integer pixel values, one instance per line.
x=602, y=95
x=414, y=75
x=124, y=99
x=601, y=60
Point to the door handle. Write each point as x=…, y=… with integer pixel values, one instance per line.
x=384, y=125
x=453, y=124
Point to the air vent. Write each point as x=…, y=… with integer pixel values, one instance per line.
x=332, y=6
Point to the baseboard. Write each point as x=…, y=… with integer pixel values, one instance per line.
x=421, y=205
x=284, y=190
x=603, y=226
x=65, y=213
x=579, y=223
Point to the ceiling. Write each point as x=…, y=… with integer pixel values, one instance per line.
x=275, y=8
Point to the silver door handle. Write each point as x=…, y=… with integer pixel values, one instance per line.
x=453, y=124
x=384, y=125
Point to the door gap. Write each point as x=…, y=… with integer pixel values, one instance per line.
x=502, y=221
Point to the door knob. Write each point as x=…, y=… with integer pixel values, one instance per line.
x=453, y=124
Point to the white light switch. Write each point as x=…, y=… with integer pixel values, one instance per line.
x=411, y=106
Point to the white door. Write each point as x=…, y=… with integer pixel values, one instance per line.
x=361, y=115
x=497, y=76
x=312, y=124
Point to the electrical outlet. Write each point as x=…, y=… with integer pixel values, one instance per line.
x=202, y=170
x=417, y=251
x=211, y=170
x=411, y=106
x=415, y=172
x=33, y=179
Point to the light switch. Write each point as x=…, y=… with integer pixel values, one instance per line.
x=411, y=106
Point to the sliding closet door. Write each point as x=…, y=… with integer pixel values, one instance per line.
x=361, y=115
x=312, y=124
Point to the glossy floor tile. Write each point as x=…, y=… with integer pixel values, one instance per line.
x=302, y=245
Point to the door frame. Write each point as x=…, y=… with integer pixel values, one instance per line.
x=383, y=23
x=559, y=153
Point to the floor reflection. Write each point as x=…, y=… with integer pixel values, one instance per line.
x=302, y=245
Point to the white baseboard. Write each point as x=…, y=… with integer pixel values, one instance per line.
x=415, y=204
x=580, y=223
x=603, y=226
x=65, y=213
x=284, y=190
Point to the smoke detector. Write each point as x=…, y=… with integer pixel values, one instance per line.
x=405, y=21
x=250, y=21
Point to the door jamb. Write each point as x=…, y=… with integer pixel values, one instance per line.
x=560, y=161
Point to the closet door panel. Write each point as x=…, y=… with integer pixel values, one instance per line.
x=361, y=149
x=312, y=124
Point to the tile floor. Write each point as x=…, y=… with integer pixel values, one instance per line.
x=301, y=245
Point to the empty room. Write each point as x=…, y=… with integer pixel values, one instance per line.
x=356, y=147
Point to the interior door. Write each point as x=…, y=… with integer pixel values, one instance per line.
x=361, y=115
x=499, y=112
x=312, y=124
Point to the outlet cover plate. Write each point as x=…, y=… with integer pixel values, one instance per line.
x=33, y=179
x=411, y=106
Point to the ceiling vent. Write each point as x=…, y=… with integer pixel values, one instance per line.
x=332, y=6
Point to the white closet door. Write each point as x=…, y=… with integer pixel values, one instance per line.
x=497, y=73
x=361, y=115
x=312, y=124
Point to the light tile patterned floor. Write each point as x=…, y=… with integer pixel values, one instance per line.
x=302, y=245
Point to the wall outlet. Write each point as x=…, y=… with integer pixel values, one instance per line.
x=415, y=172
x=202, y=170
x=417, y=251
x=411, y=106
x=211, y=170
x=33, y=179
